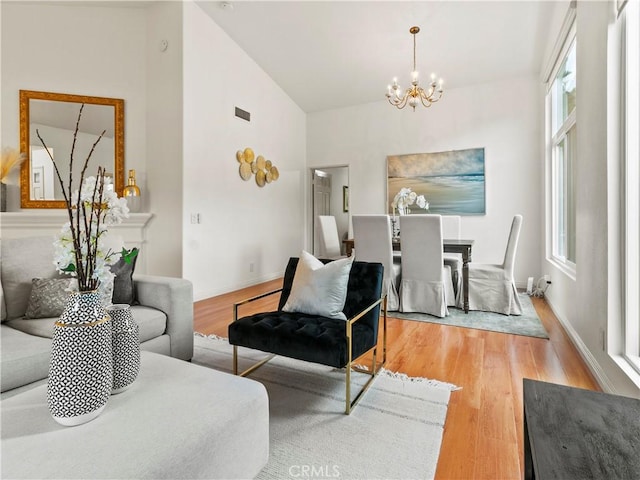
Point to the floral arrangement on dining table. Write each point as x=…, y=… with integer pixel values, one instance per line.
x=405, y=198
x=401, y=203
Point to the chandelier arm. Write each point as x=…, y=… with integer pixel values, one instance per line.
x=428, y=101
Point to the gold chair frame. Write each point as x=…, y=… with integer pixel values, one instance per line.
x=375, y=369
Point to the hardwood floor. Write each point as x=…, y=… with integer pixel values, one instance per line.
x=483, y=434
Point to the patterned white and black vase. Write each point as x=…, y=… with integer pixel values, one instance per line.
x=81, y=365
x=126, y=347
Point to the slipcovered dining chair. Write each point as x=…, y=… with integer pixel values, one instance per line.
x=451, y=230
x=426, y=284
x=372, y=237
x=492, y=287
x=329, y=238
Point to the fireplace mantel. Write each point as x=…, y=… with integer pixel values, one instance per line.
x=48, y=222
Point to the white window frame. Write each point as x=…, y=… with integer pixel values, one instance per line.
x=631, y=208
x=553, y=139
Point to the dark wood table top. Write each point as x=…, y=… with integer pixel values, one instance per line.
x=579, y=434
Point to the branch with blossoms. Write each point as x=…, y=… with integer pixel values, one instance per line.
x=91, y=209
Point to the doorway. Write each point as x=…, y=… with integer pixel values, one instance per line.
x=330, y=196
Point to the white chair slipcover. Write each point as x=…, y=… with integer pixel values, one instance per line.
x=451, y=229
x=329, y=238
x=492, y=287
x=372, y=240
x=426, y=284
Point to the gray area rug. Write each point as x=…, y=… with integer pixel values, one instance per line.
x=527, y=324
x=394, y=432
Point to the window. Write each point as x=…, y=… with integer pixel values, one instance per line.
x=631, y=158
x=561, y=105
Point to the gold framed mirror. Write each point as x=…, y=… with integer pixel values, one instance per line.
x=55, y=116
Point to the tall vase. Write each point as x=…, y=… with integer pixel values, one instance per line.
x=126, y=347
x=81, y=366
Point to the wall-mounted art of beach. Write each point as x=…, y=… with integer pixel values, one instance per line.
x=452, y=182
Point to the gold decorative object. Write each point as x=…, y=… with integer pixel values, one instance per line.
x=132, y=193
x=248, y=155
x=245, y=171
x=411, y=95
x=250, y=164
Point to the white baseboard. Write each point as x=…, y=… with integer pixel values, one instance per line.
x=204, y=294
x=591, y=362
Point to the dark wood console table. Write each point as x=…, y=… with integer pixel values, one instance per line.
x=572, y=433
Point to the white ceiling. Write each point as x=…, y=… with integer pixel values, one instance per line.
x=332, y=54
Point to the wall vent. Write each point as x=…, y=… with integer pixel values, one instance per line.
x=243, y=114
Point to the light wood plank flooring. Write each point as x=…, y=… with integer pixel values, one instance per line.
x=483, y=435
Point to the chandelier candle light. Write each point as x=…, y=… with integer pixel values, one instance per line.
x=414, y=93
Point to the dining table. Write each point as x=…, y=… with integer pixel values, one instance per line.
x=449, y=245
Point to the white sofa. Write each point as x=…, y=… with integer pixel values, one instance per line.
x=164, y=313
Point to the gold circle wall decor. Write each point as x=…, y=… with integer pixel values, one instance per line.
x=248, y=155
x=250, y=164
x=245, y=171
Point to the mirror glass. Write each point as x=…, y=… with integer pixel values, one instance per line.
x=54, y=116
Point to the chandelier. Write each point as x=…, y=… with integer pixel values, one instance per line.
x=414, y=93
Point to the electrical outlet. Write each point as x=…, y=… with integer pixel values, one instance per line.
x=195, y=218
x=547, y=278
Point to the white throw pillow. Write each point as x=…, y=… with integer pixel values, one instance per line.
x=319, y=289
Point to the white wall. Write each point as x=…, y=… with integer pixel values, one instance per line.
x=83, y=50
x=110, y=51
x=502, y=117
x=582, y=305
x=241, y=224
x=162, y=132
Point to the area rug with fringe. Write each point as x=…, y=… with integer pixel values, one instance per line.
x=394, y=432
x=527, y=324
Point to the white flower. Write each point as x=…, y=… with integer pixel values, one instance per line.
x=406, y=197
x=422, y=202
x=97, y=212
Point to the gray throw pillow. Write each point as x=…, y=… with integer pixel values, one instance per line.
x=123, y=291
x=48, y=297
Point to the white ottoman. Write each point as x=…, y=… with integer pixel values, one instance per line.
x=178, y=420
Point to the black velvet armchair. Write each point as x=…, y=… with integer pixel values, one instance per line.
x=318, y=339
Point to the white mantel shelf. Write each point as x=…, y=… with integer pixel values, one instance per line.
x=48, y=222
x=46, y=219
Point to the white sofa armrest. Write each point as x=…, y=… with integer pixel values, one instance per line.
x=173, y=296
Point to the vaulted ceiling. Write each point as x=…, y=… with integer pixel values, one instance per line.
x=333, y=54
